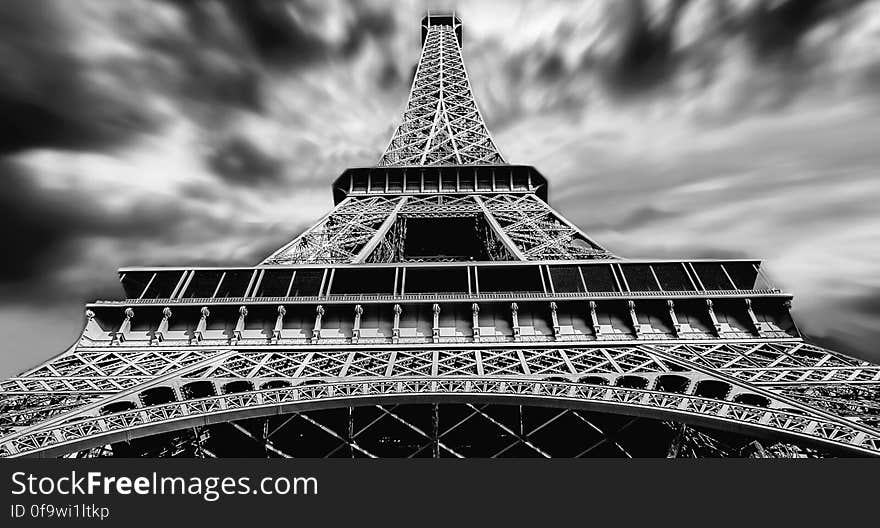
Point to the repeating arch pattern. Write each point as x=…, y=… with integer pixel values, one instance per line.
x=97, y=430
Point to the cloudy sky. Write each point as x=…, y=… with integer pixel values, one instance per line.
x=208, y=132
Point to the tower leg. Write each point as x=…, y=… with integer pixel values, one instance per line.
x=351, y=432
x=435, y=434
x=675, y=445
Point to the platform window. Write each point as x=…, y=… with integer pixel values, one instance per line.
x=134, y=283
x=599, y=278
x=359, y=181
x=639, y=277
x=234, y=284
x=566, y=279
x=448, y=180
x=275, y=283
x=494, y=279
x=163, y=285
x=367, y=281
x=432, y=180
x=413, y=180
x=436, y=280
x=466, y=179
x=484, y=179
x=306, y=283
x=742, y=273
x=672, y=277
x=395, y=181
x=203, y=284
x=521, y=181
x=377, y=182
x=712, y=276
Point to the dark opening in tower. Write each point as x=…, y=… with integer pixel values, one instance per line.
x=443, y=239
x=440, y=239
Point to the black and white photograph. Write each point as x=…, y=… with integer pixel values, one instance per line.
x=474, y=229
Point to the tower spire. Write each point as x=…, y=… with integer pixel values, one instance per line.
x=441, y=124
x=456, y=292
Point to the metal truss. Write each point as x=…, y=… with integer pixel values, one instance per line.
x=539, y=232
x=647, y=368
x=789, y=366
x=441, y=124
x=778, y=364
x=447, y=430
x=691, y=442
x=340, y=235
x=441, y=206
x=89, y=371
x=24, y=409
x=524, y=224
x=81, y=376
x=105, y=371
x=93, y=431
x=858, y=402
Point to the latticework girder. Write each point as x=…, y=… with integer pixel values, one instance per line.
x=538, y=231
x=645, y=380
x=441, y=124
x=761, y=363
x=339, y=236
x=92, y=431
x=449, y=431
x=526, y=225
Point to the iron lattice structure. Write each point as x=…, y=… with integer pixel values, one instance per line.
x=444, y=308
x=442, y=124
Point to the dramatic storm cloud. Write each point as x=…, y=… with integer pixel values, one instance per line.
x=208, y=132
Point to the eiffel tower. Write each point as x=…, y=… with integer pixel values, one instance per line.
x=444, y=309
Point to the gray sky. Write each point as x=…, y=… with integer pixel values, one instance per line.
x=182, y=133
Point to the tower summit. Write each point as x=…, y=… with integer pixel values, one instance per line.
x=441, y=124
x=444, y=308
